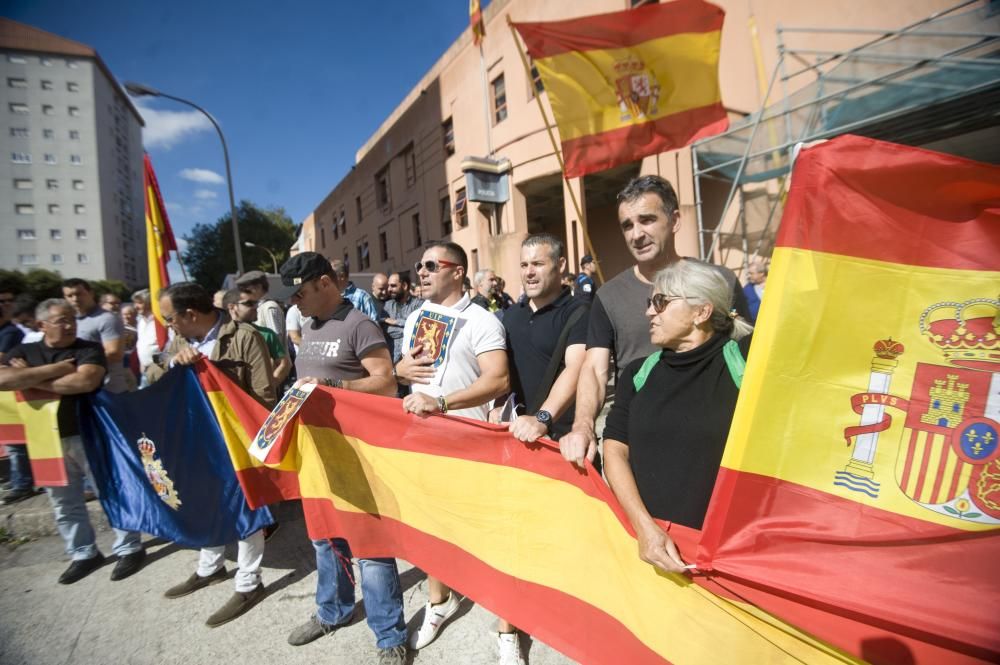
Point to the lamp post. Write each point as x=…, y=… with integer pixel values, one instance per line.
x=140, y=90
x=273, y=260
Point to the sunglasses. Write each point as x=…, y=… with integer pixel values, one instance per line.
x=434, y=266
x=247, y=303
x=659, y=301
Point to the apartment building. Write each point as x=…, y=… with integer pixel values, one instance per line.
x=71, y=195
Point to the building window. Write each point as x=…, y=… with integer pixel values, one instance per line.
x=52, y=183
x=74, y=135
x=48, y=109
x=48, y=134
x=55, y=234
x=499, y=89
x=73, y=86
x=536, y=81
x=410, y=164
x=46, y=85
x=347, y=259
x=20, y=109
x=47, y=62
x=448, y=132
x=82, y=258
x=20, y=158
x=80, y=209
x=27, y=259
x=26, y=234
x=20, y=132
x=25, y=209
x=383, y=246
x=382, y=188
x=24, y=183
x=57, y=259
x=78, y=185
x=74, y=111
x=322, y=237
x=461, y=209
x=17, y=83
x=49, y=158
x=75, y=160
x=360, y=258
x=357, y=204
x=72, y=64
x=366, y=262
x=53, y=208
x=446, y=216
x=418, y=239
x=17, y=59
x=343, y=222
x=81, y=234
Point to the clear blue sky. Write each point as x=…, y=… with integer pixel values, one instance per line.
x=297, y=87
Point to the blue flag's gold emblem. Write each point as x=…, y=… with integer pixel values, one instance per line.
x=156, y=474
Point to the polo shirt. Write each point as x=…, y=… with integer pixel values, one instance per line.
x=531, y=340
x=333, y=349
x=454, y=337
x=98, y=325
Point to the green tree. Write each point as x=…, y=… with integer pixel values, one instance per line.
x=209, y=256
x=42, y=284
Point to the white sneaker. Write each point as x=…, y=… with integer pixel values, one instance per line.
x=510, y=649
x=434, y=616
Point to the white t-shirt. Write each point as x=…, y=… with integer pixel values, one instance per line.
x=295, y=321
x=454, y=336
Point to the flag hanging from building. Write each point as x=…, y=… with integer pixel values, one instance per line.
x=632, y=83
x=476, y=22
x=30, y=417
x=162, y=467
x=862, y=471
x=159, y=242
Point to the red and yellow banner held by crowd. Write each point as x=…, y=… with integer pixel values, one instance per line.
x=632, y=83
x=159, y=242
x=862, y=471
x=30, y=417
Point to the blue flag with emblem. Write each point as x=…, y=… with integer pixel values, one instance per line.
x=161, y=466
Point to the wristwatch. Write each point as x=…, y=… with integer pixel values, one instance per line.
x=442, y=404
x=545, y=418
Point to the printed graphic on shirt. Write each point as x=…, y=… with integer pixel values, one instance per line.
x=315, y=349
x=433, y=331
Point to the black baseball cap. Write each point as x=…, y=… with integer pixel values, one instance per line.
x=587, y=258
x=298, y=270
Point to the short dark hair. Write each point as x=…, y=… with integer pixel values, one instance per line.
x=24, y=304
x=188, y=295
x=403, y=278
x=454, y=252
x=232, y=297
x=651, y=184
x=74, y=282
x=557, y=248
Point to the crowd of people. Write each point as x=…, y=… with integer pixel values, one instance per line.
x=674, y=330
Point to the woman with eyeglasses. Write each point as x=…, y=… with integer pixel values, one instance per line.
x=666, y=432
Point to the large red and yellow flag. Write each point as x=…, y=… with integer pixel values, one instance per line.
x=630, y=84
x=30, y=417
x=159, y=242
x=861, y=478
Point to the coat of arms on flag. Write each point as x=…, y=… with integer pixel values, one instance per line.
x=156, y=474
x=433, y=331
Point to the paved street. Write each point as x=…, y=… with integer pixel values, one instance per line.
x=96, y=621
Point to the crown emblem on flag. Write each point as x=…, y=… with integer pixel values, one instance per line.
x=888, y=349
x=967, y=333
x=157, y=476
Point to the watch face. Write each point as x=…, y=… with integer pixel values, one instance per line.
x=544, y=417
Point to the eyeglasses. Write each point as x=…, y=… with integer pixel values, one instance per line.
x=659, y=301
x=247, y=303
x=434, y=266
x=170, y=319
x=6, y=301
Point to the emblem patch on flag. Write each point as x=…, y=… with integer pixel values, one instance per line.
x=433, y=332
x=156, y=474
x=282, y=414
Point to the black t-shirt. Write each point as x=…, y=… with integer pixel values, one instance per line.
x=531, y=341
x=83, y=352
x=676, y=428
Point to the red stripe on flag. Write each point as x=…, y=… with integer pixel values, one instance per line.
x=597, y=152
x=911, y=451
x=620, y=29
x=12, y=434
x=955, y=476
x=924, y=463
x=886, y=202
x=264, y=486
x=939, y=476
x=600, y=637
x=49, y=472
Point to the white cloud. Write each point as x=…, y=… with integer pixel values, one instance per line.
x=174, y=208
x=204, y=176
x=164, y=129
x=205, y=194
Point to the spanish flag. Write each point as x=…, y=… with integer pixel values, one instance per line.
x=476, y=22
x=861, y=478
x=29, y=417
x=159, y=241
x=512, y=526
x=630, y=84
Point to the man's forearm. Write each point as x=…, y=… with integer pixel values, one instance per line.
x=375, y=385
x=481, y=391
x=562, y=394
x=72, y=384
x=590, y=393
x=22, y=378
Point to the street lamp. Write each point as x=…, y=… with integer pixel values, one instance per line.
x=140, y=90
x=273, y=260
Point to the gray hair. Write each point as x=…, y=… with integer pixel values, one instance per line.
x=42, y=311
x=704, y=283
x=557, y=249
x=142, y=295
x=340, y=269
x=480, y=275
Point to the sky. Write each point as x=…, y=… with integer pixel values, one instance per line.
x=296, y=87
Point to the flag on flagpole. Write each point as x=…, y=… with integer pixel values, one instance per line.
x=632, y=83
x=30, y=417
x=862, y=471
x=159, y=242
x=476, y=22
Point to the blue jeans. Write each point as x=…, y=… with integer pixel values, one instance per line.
x=70, y=509
x=20, y=467
x=380, y=587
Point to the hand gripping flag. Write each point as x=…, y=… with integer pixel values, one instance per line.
x=861, y=479
x=630, y=84
x=159, y=241
x=162, y=467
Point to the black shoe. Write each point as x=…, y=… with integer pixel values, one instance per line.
x=81, y=568
x=236, y=606
x=270, y=530
x=13, y=496
x=195, y=582
x=312, y=630
x=128, y=565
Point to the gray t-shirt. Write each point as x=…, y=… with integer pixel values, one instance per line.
x=100, y=326
x=333, y=349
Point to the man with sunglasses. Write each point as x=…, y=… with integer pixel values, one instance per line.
x=343, y=348
x=455, y=360
x=243, y=309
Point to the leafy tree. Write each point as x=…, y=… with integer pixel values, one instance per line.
x=42, y=284
x=117, y=287
x=210, y=257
